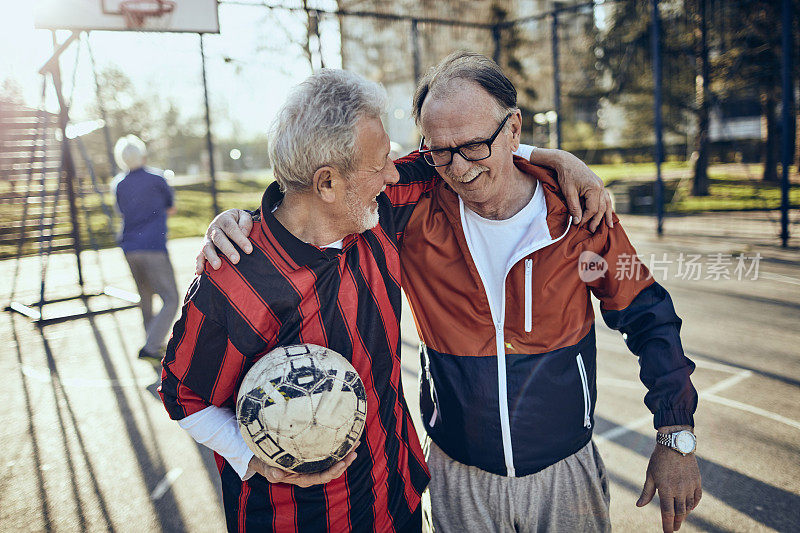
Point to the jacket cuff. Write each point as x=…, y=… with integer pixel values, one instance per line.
x=673, y=417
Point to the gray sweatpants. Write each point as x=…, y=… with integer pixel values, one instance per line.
x=153, y=274
x=571, y=495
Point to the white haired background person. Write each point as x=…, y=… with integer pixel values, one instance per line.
x=145, y=200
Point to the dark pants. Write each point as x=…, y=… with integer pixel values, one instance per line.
x=153, y=275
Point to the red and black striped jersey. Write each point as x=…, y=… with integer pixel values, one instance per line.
x=289, y=292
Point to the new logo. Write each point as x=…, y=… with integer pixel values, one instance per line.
x=591, y=266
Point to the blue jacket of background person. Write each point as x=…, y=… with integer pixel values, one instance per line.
x=143, y=198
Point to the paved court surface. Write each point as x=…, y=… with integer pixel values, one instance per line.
x=87, y=445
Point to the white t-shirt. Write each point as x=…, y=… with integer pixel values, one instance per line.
x=494, y=244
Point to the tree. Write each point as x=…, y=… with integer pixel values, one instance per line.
x=735, y=49
x=702, y=67
x=624, y=53
x=11, y=91
x=750, y=62
x=128, y=110
x=512, y=44
x=298, y=31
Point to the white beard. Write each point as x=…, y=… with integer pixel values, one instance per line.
x=364, y=217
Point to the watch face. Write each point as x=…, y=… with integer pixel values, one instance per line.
x=684, y=442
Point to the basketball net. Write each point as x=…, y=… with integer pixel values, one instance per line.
x=147, y=14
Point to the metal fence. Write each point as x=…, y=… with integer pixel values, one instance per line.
x=585, y=75
x=586, y=78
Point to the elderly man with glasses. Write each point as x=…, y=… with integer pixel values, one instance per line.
x=499, y=281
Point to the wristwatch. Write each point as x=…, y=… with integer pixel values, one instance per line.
x=683, y=442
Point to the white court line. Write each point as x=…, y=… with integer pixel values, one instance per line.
x=752, y=409
x=696, y=359
x=708, y=394
x=621, y=383
x=618, y=431
x=164, y=485
x=779, y=277
x=726, y=383
x=710, y=365
x=43, y=375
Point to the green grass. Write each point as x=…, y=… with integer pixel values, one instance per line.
x=731, y=194
x=621, y=171
x=732, y=187
x=194, y=203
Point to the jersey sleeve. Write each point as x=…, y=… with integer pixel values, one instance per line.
x=416, y=178
x=642, y=310
x=201, y=366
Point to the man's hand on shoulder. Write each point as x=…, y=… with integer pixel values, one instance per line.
x=676, y=477
x=231, y=225
x=578, y=182
x=276, y=475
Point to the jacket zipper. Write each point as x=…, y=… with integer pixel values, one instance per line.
x=502, y=389
x=587, y=404
x=499, y=320
x=434, y=397
x=528, y=295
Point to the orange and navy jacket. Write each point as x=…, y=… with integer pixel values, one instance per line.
x=514, y=394
x=289, y=292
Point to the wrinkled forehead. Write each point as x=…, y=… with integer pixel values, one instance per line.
x=457, y=112
x=372, y=142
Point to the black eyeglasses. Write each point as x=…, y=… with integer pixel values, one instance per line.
x=473, y=151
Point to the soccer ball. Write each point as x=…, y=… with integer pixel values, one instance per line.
x=301, y=408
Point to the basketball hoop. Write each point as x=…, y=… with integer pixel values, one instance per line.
x=147, y=14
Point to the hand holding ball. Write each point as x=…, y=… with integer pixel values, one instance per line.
x=302, y=408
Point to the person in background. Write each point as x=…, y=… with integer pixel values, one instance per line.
x=145, y=200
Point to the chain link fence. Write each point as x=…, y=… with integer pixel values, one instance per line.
x=584, y=72
x=584, y=75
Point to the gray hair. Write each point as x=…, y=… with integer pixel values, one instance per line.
x=316, y=127
x=130, y=152
x=468, y=66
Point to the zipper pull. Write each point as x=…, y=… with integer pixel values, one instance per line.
x=424, y=351
x=528, y=295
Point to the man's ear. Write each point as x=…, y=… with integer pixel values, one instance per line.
x=327, y=183
x=516, y=129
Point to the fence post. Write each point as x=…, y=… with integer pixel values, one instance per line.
x=556, y=78
x=102, y=106
x=659, y=148
x=496, y=38
x=67, y=173
x=786, y=115
x=415, y=50
x=209, y=142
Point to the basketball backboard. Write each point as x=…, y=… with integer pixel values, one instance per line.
x=192, y=16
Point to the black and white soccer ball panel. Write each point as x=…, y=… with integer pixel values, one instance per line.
x=302, y=408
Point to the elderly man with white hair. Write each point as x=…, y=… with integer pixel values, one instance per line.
x=324, y=269
x=145, y=200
